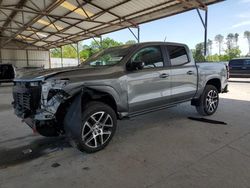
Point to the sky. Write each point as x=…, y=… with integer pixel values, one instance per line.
x=230, y=16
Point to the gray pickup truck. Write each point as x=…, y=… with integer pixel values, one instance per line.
x=85, y=102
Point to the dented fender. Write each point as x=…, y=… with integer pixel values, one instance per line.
x=73, y=118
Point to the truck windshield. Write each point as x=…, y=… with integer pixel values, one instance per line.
x=108, y=57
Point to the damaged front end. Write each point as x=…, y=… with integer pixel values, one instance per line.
x=37, y=103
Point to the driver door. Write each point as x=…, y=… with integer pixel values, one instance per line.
x=149, y=86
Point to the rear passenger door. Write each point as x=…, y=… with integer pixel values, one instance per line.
x=183, y=73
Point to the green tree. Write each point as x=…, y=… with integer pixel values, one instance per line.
x=69, y=51
x=104, y=44
x=219, y=39
x=95, y=46
x=131, y=42
x=55, y=52
x=198, y=52
x=247, y=36
x=233, y=53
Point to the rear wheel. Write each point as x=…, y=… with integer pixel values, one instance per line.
x=98, y=127
x=209, y=101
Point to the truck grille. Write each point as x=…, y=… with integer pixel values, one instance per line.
x=26, y=98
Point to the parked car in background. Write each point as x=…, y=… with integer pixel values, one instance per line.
x=85, y=102
x=23, y=70
x=7, y=73
x=239, y=67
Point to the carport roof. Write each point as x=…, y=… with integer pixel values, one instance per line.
x=52, y=23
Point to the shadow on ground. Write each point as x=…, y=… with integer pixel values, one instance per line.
x=36, y=149
x=164, y=118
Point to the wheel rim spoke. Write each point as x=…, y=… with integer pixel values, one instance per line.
x=91, y=138
x=84, y=136
x=211, y=101
x=101, y=136
x=97, y=129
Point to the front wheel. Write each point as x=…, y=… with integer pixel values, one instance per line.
x=98, y=127
x=209, y=101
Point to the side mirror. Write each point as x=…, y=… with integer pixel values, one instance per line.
x=137, y=65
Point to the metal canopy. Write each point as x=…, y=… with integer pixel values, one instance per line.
x=47, y=24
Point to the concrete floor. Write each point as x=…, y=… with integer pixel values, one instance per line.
x=161, y=149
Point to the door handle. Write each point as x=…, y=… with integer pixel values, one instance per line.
x=164, y=75
x=190, y=72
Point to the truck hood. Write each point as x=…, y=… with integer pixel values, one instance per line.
x=72, y=73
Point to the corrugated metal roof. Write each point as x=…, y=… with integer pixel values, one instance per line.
x=52, y=23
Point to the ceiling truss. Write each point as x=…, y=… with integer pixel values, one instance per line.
x=48, y=24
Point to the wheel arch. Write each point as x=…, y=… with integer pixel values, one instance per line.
x=216, y=82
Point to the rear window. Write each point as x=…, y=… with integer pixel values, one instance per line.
x=178, y=55
x=236, y=62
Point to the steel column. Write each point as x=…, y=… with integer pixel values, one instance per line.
x=77, y=49
x=49, y=60
x=27, y=58
x=61, y=56
x=204, y=23
x=101, y=42
x=205, y=34
x=138, y=33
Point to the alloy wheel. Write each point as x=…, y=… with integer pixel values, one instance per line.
x=97, y=129
x=212, y=100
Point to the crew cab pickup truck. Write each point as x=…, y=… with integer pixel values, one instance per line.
x=85, y=102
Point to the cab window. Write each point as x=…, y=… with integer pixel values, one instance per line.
x=151, y=57
x=177, y=55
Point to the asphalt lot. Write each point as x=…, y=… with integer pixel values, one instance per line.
x=161, y=149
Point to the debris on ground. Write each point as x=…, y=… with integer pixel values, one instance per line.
x=27, y=151
x=54, y=165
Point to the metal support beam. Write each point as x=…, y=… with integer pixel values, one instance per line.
x=97, y=42
x=61, y=56
x=77, y=51
x=27, y=58
x=205, y=34
x=138, y=33
x=101, y=42
x=49, y=60
x=204, y=23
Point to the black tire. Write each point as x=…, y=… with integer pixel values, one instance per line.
x=209, y=101
x=95, y=136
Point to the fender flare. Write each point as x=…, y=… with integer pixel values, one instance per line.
x=73, y=118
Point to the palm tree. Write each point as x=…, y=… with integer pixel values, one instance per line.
x=230, y=40
x=210, y=46
x=247, y=35
x=219, y=39
x=236, y=38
